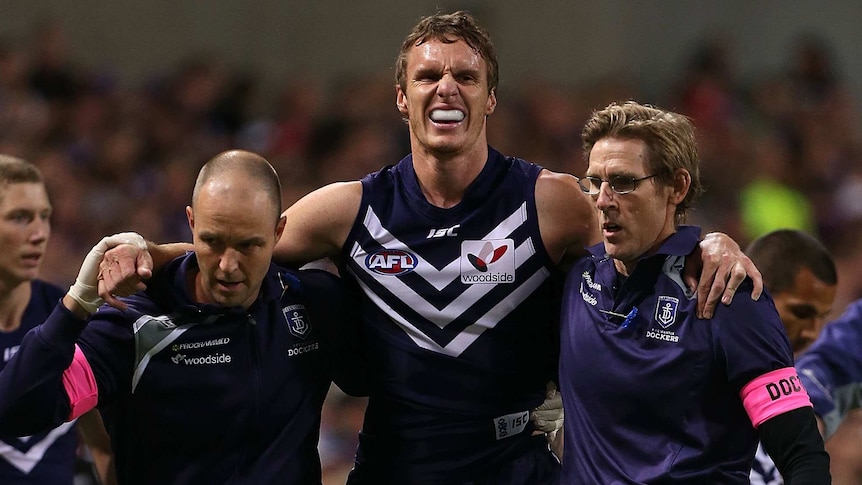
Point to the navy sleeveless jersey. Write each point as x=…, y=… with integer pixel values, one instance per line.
x=48, y=457
x=457, y=318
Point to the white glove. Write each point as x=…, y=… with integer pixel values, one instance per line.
x=548, y=417
x=85, y=291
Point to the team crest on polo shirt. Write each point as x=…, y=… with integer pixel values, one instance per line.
x=297, y=320
x=665, y=310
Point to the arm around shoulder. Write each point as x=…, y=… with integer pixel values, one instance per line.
x=567, y=219
x=317, y=225
x=163, y=253
x=716, y=268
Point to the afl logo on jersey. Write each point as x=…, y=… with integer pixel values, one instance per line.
x=391, y=262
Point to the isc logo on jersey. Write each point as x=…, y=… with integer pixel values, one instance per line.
x=488, y=262
x=391, y=262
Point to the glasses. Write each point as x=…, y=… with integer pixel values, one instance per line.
x=620, y=184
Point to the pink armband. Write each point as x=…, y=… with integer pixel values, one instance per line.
x=80, y=385
x=772, y=394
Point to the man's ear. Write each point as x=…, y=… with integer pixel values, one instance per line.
x=190, y=215
x=279, y=228
x=401, y=101
x=680, y=186
x=491, y=105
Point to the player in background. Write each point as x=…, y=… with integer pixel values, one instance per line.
x=800, y=275
x=832, y=371
x=25, y=301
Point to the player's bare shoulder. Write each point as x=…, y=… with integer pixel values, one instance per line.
x=566, y=219
x=317, y=224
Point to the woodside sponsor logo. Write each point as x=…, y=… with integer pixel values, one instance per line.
x=488, y=262
x=182, y=359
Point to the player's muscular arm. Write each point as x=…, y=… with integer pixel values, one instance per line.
x=317, y=224
x=567, y=221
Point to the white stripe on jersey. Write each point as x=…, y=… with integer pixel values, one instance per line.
x=469, y=335
x=27, y=461
x=437, y=278
x=440, y=279
x=442, y=316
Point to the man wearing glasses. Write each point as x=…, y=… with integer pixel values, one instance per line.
x=651, y=393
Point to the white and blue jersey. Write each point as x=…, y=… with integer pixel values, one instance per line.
x=651, y=393
x=458, y=324
x=831, y=369
x=763, y=470
x=46, y=457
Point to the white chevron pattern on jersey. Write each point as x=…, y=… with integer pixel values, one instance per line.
x=439, y=279
x=27, y=461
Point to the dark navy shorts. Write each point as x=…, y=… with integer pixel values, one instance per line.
x=537, y=466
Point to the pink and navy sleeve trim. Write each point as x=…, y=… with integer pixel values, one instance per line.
x=773, y=393
x=80, y=385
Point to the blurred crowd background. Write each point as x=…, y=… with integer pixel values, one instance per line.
x=780, y=148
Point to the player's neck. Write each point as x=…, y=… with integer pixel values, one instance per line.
x=444, y=178
x=13, y=302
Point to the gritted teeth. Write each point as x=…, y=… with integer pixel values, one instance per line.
x=447, y=115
